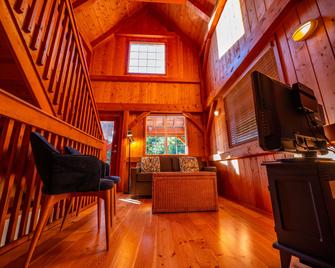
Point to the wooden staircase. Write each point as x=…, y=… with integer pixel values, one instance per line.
x=44, y=87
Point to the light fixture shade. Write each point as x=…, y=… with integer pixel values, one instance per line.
x=305, y=30
x=129, y=133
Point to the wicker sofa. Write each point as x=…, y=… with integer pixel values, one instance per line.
x=141, y=180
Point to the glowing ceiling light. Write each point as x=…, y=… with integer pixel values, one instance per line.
x=305, y=30
x=216, y=113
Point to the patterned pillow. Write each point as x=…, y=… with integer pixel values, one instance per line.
x=188, y=164
x=150, y=164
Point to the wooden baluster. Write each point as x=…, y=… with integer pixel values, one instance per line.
x=20, y=182
x=30, y=16
x=14, y=149
x=79, y=114
x=62, y=70
x=31, y=184
x=84, y=110
x=72, y=93
x=75, y=101
x=49, y=30
x=20, y=6
x=55, y=69
x=63, y=84
x=40, y=25
x=55, y=43
x=75, y=108
x=70, y=76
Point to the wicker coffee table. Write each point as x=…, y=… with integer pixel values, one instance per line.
x=184, y=192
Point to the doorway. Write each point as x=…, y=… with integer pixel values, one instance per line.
x=110, y=124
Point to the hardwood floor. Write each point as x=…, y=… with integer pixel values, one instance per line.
x=233, y=237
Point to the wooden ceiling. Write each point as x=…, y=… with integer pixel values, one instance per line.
x=95, y=18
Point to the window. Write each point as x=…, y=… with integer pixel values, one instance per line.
x=166, y=134
x=230, y=27
x=239, y=105
x=146, y=58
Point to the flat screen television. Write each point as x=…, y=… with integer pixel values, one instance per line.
x=288, y=118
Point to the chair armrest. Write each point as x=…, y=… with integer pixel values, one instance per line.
x=209, y=168
x=74, y=173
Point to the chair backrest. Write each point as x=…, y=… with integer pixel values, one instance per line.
x=43, y=155
x=71, y=151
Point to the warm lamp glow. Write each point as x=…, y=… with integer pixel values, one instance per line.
x=216, y=113
x=305, y=30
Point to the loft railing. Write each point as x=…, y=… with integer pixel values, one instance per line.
x=45, y=43
x=20, y=185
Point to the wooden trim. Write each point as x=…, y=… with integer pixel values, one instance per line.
x=169, y=108
x=17, y=109
x=138, y=119
x=141, y=78
x=22, y=56
x=202, y=8
x=194, y=122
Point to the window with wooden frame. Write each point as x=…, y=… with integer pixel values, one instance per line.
x=239, y=104
x=166, y=135
x=146, y=58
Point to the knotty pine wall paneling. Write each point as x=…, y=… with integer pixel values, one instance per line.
x=311, y=62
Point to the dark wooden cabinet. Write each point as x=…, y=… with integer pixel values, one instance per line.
x=303, y=201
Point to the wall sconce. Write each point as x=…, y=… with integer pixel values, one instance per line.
x=305, y=30
x=216, y=113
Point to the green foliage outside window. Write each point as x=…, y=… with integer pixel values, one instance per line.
x=155, y=145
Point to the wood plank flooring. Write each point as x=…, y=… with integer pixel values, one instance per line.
x=233, y=237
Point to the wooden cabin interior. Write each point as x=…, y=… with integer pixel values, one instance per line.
x=137, y=84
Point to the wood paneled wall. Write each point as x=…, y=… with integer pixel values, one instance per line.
x=311, y=62
x=43, y=48
x=180, y=87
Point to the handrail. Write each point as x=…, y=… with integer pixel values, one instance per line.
x=20, y=110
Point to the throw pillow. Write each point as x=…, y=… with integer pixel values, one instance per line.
x=188, y=164
x=150, y=164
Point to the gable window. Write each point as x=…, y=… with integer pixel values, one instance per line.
x=230, y=27
x=146, y=58
x=166, y=134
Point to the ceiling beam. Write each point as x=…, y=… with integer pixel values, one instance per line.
x=125, y=20
x=206, y=9
x=164, y=1
x=145, y=107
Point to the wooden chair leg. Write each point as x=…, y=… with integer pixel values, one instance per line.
x=45, y=211
x=285, y=259
x=111, y=205
x=67, y=210
x=107, y=199
x=114, y=201
x=99, y=212
x=79, y=205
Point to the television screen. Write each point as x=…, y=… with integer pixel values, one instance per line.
x=288, y=118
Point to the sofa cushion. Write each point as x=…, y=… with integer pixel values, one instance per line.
x=144, y=177
x=150, y=164
x=188, y=164
x=165, y=164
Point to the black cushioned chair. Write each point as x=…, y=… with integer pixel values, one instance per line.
x=105, y=175
x=66, y=176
